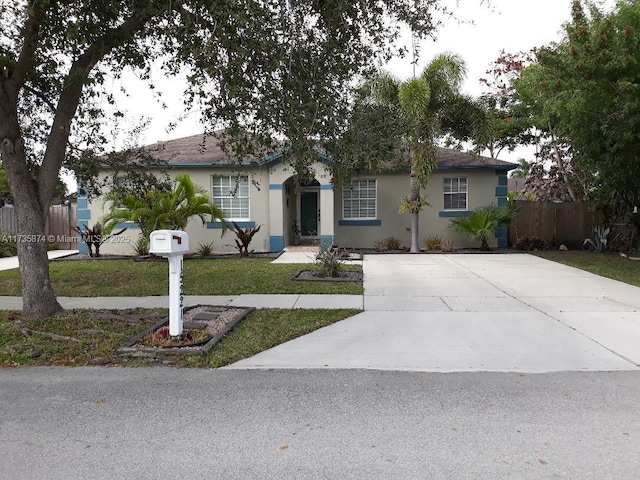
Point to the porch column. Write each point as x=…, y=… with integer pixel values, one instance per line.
x=327, y=235
x=276, y=220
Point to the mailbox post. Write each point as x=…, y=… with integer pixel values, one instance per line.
x=172, y=244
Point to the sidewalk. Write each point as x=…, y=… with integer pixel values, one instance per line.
x=257, y=301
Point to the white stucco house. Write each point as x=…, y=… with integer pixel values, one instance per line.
x=354, y=213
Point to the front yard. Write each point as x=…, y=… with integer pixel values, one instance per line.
x=610, y=265
x=91, y=337
x=225, y=276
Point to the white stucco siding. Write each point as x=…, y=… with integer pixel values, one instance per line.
x=199, y=234
x=433, y=220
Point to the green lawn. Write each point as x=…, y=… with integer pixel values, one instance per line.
x=225, y=276
x=84, y=337
x=610, y=265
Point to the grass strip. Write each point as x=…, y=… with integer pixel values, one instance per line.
x=90, y=337
x=225, y=276
x=610, y=265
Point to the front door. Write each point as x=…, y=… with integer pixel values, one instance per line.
x=309, y=213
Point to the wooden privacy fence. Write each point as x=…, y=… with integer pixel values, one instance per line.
x=58, y=228
x=555, y=223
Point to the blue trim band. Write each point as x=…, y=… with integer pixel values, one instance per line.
x=500, y=170
x=276, y=243
x=454, y=213
x=359, y=223
x=246, y=224
x=122, y=225
x=326, y=241
x=82, y=203
x=83, y=214
x=503, y=201
x=326, y=187
x=503, y=181
x=275, y=186
x=502, y=234
x=501, y=191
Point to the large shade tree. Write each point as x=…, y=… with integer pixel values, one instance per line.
x=276, y=66
x=396, y=124
x=583, y=97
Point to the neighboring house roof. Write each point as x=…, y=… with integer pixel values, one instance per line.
x=205, y=151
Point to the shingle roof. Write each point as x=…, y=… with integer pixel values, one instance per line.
x=448, y=158
x=196, y=150
x=201, y=150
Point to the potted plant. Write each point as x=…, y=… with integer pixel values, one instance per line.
x=295, y=229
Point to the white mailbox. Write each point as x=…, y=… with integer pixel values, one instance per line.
x=168, y=242
x=172, y=244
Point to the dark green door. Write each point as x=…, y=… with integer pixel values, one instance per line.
x=309, y=214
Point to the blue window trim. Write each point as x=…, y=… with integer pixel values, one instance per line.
x=127, y=225
x=241, y=224
x=454, y=213
x=360, y=223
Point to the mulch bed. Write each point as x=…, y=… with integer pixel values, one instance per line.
x=315, y=276
x=217, y=321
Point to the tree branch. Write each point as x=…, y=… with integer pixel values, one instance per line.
x=27, y=57
x=41, y=96
x=72, y=93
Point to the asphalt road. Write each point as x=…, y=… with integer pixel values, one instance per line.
x=161, y=423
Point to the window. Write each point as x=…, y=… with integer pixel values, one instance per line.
x=359, y=199
x=231, y=194
x=455, y=193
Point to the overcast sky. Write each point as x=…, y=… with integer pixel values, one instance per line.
x=512, y=25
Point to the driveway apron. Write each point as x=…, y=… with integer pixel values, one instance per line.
x=476, y=312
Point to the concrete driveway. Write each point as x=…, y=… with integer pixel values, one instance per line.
x=447, y=313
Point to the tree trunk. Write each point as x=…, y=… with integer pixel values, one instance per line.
x=37, y=293
x=561, y=169
x=414, y=198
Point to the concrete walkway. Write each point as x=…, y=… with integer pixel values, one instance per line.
x=448, y=313
x=257, y=301
x=9, y=263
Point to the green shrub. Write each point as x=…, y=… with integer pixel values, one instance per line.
x=389, y=243
x=483, y=222
x=329, y=262
x=8, y=247
x=448, y=246
x=205, y=249
x=434, y=242
x=393, y=243
x=141, y=247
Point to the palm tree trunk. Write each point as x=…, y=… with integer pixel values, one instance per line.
x=414, y=198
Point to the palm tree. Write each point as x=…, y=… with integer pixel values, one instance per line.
x=159, y=209
x=428, y=106
x=483, y=222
